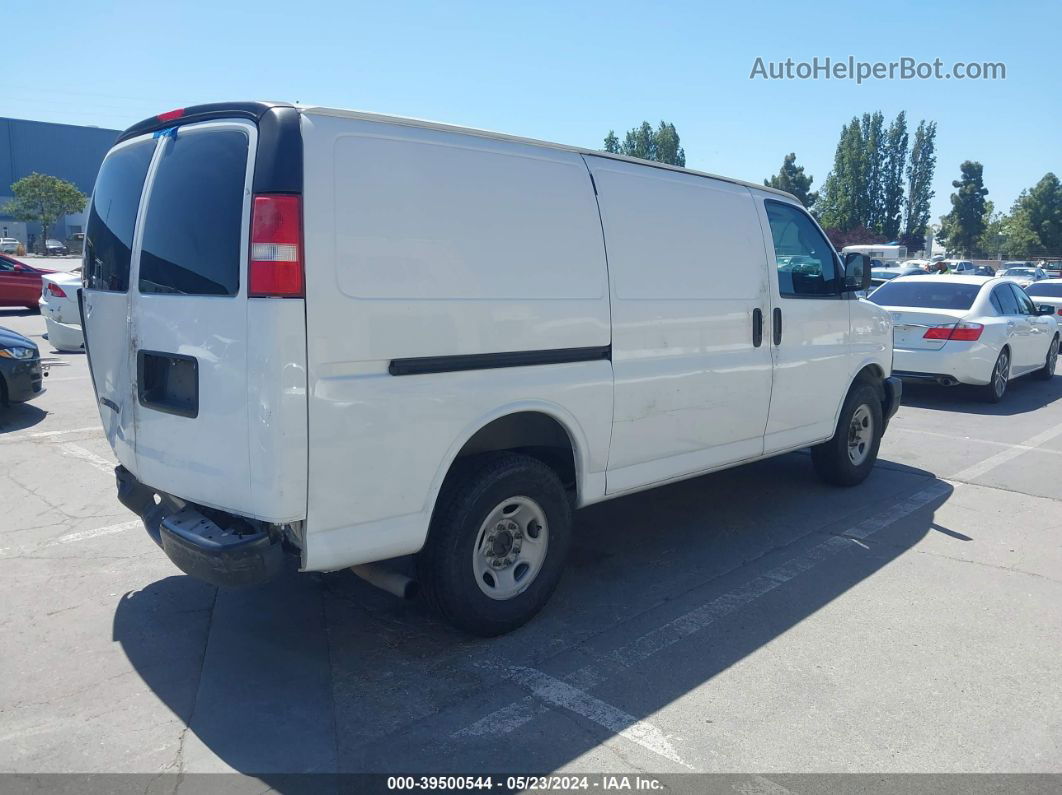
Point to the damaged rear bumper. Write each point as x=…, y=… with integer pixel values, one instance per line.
x=209, y=545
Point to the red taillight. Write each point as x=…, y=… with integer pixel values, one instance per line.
x=56, y=290
x=170, y=115
x=275, y=269
x=960, y=332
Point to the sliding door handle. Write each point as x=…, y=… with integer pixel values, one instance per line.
x=757, y=327
x=777, y=326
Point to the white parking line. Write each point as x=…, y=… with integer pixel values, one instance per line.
x=26, y=437
x=77, y=451
x=1003, y=456
x=72, y=538
x=508, y=718
x=558, y=693
x=1009, y=445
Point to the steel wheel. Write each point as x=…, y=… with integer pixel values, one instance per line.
x=510, y=548
x=860, y=435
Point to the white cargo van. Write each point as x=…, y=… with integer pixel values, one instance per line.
x=360, y=338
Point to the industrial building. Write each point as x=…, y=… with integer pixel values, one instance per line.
x=66, y=151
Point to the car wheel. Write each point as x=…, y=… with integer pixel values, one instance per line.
x=996, y=388
x=847, y=458
x=1046, y=372
x=497, y=544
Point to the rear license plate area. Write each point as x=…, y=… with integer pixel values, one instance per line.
x=168, y=382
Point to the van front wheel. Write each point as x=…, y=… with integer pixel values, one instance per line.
x=847, y=458
x=497, y=544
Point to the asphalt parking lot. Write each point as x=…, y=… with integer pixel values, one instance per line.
x=752, y=620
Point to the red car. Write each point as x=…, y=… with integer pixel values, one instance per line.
x=20, y=284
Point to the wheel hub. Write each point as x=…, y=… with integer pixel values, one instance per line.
x=511, y=548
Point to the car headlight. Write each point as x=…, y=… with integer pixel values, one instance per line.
x=17, y=353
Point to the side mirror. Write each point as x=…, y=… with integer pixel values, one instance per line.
x=1045, y=309
x=856, y=272
x=19, y=267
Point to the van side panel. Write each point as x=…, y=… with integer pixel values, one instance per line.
x=688, y=272
x=430, y=243
x=276, y=408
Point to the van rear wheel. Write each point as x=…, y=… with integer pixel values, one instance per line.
x=497, y=544
x=847, y=458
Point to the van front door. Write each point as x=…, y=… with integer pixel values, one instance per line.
x=104, y=299
x=809, y=328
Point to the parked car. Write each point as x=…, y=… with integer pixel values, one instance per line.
x=9, y=245
x=1052, y=269
x=21, y=376
x=390, y=337
x=20, y=284
x=960, y=266
x=984, y=270
x=1022, y=275
x=1047, y=292
x=55, y=248
x=968, y=330
x=58, y=304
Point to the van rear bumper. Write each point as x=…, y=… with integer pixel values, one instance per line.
x=210, y=548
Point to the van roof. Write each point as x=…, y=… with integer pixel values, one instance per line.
x=255, y=110
x=435, y=125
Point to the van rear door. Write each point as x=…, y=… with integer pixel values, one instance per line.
x=105, y=297
x=209, y=384
x=189, y=315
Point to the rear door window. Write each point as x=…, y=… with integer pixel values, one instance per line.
x=192, y=231
x=115, y=201
x=1007, y=303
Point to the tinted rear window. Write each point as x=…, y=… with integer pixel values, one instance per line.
x=1047, y=290
x=192, y=229
x=109, y=232
x=929, y=295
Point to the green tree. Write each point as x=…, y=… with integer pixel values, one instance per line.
x=43, y=199
x=843, y=201
x=661, y=145
x=792, y=179
x=872, y=210
x=961, y=229
x=1043, y=211
x=892, y=176
x=921, y=165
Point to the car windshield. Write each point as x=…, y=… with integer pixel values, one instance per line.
x=1020, y=272
x=877, y=273
x=1049, y=290
x=926, y=294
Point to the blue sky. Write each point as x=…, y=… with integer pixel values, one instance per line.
x=565, y=71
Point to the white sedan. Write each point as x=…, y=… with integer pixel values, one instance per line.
x=58, y=304
x=968, y=330
x=1047, y=293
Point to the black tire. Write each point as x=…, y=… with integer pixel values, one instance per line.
x=996, y=388
x=445, y=567
x=1047, y=372
x=832, y=460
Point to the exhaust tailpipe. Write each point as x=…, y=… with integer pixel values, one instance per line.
x=391, y=581
x=947, y=380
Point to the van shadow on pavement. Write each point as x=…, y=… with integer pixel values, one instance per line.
x=323, y=673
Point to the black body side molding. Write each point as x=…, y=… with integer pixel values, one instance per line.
x=424, y=365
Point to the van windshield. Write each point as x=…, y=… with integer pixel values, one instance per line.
x=192, y=231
